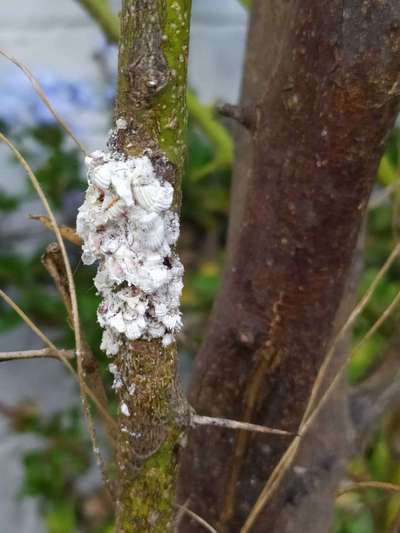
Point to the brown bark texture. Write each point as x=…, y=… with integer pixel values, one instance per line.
x=321, y=91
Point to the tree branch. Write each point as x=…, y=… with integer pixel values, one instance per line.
x=197, y=420
x=203, y=115
x=301, y=187
x=204, y=525
x=53, y=348
x=151, y=106
x=215, y=132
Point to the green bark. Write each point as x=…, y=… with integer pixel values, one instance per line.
x=151, y=99
x=203, y=115
x=152, y=77
x=147, y=464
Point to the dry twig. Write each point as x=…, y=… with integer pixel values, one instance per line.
x=35, y=354
x=362, y=485
x=53, y=348
x=84, y=389
x=198, y=420
x=197, y=518
x=69, y=234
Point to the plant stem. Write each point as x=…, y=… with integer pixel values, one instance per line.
x=151, y=100
x=100, y=11
x=202, y=114
x=35, y=354
x=216, y=133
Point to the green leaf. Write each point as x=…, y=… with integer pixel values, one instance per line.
x=61, y=518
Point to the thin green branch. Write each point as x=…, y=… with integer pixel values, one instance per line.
x=101, y=13
x=203, y=115
x=215, y=132
x=361, y=485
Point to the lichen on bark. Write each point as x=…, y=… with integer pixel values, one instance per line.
x=152, y=77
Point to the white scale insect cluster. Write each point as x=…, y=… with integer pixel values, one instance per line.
x=127, y=225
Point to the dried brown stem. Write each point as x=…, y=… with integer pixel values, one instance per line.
x=203, y=523
x=42, y=95
x=365, y=485
x=9, y=301
x=86, y=392
x=67, y=233
x=53, y=262
x=35, y=354
x=198, y=420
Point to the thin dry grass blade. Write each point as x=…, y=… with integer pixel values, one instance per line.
x=359, y=308
x=60, y=353
x=311, y=413
x=42, y=95
x=199, y=420
x=363, y=485
x=390, y=308
x=84, y=389
x=60, y=241
x=35, y=354
x=198, y=519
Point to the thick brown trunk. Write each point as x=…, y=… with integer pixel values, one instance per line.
x=321, y=91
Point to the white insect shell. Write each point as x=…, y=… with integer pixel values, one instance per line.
x=127, y=225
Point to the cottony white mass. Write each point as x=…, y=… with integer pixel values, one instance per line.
x=127, y=225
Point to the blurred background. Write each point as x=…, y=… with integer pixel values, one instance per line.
x=48, y=481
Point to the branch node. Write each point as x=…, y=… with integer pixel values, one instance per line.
x=244, y=115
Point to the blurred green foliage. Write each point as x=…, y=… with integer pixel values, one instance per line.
x=61, y=169
x=52, y=470
x=381, y=234
x=374, y=511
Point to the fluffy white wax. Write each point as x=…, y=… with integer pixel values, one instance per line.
x=127, y=225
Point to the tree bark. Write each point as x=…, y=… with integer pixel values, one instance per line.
x=321, y=91
x=151, y=103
